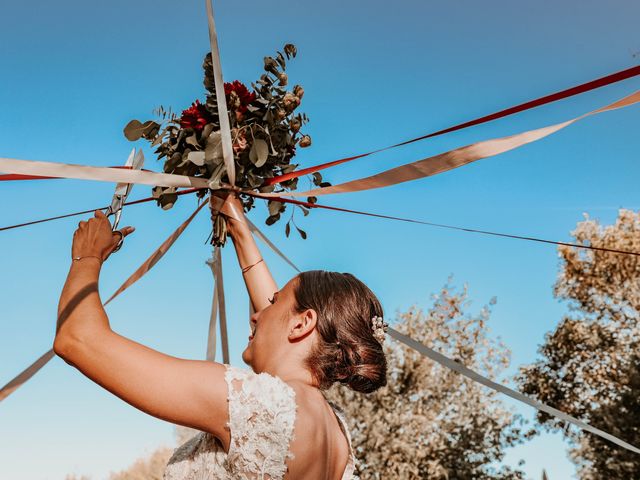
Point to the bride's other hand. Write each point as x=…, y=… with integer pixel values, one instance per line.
x=230, y=206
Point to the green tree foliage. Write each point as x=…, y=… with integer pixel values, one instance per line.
x=430, y=422
x=589, y=365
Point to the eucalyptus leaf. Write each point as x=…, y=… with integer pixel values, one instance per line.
x=192, y=140
x=215, y=180
x=259, y=152
x=213, y=149
x=267, y=188
x=206, y=131
x=274, y=207
x=134, y=129
x=302, y=233
x=196, y=158
x=166, y=201
x=287, y=230
x=272, y=219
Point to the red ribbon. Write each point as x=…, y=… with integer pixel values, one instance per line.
x=134, y=202
x=585, y=87
x=440, y=225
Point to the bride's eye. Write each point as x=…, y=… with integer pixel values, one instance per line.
x=272, y=300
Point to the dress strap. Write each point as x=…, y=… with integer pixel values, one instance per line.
x=351, y=462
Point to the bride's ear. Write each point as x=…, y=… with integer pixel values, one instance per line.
x=302, y=324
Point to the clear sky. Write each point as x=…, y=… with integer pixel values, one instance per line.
x=74, y=73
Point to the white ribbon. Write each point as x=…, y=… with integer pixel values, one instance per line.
x=256, y=231
x=476, y=377
x=225, y=128
x=217, y=273
x=211, y=337
x=103, y=174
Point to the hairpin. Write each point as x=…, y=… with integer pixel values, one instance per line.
x=379, y=328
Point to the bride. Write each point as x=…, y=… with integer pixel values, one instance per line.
x=270, y=422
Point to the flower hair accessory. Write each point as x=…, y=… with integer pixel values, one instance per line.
x=379, y=328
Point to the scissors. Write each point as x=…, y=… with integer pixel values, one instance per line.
x=134, y=162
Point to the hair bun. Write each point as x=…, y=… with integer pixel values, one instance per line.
x=364, y=368
x=368, y=377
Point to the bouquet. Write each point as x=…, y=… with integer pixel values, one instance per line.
x=265, y=132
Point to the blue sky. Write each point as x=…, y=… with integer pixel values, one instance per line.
x=375, y=73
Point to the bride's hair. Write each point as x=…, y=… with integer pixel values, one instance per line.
x=346, y=351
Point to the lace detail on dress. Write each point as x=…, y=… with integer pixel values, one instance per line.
x=262, y=414
x=200, y=458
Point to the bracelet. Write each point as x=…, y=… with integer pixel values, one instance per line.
x=246, y=269
x=86, y=256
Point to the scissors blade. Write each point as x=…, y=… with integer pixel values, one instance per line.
x=135, y=162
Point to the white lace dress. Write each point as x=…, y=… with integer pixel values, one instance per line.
x=262, y=413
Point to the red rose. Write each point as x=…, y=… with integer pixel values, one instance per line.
x=240, y=95
x=196, y=116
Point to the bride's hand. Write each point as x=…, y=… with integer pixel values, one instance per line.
x=94, y=237
x=230, y=206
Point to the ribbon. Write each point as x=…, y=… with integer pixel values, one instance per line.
x=26, y=374
x=32, y=369
x=256, y=231
x=453, y=158
x=211, y=337
x=476, y=377
x=134, y=202
x=451, y=227
x=585, y=87
x=217, y=273
x=103, y=174
x=4, y=178
x=155, y=257
x=225, y=128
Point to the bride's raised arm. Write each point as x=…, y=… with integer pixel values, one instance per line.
x=257, y=277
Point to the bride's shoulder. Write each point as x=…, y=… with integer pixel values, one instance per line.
x=262, y=387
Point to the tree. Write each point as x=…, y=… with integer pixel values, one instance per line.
x=429, y=422
x=589, y=367
x=149, y=468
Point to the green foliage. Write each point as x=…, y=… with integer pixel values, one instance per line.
x=589, y=365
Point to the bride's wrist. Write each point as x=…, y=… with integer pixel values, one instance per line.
x=237, y=229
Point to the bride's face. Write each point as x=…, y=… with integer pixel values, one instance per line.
x=269, y=327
